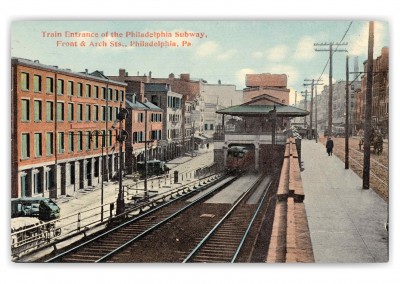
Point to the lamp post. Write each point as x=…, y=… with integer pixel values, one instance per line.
x=97, y=132
x=121, y=137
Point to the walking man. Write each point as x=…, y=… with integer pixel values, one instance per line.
x=329, y=146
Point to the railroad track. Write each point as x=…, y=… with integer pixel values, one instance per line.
x=108, y=244
x=225, y=240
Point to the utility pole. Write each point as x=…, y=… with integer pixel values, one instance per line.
x=146, y=195
x=368, y=108
x=305, y=108
x=331, y=44
x=346, y=140
x=313, y=82
x=316, y=116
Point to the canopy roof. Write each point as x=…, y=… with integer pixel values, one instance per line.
x=264, y=110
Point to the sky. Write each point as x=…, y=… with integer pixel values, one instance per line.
x=210, y=50
x=226, y=54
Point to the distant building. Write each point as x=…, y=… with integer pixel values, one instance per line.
x=55, y=114
x=274, y=85
x=139, y=113
x=173, y=106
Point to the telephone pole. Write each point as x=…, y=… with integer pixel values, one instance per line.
x=331, y=44
x=305, y=107
x=316, y=116
x=313, y=82
x=368, y=108
x=346, y=140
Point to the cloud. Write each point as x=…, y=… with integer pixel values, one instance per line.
x=241, y=75
x=207, y=49
x=277, y=53
x=258, y=54
x=359, y=42
x=226, y=55
x=305, y=48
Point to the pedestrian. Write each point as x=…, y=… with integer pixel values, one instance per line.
x=329, y=146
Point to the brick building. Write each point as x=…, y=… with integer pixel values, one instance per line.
x=192, y=90
x=274, y=85
x=380, y=95
x=54, y=115
x=139, y=112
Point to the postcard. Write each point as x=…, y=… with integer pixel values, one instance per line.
x=231, y=141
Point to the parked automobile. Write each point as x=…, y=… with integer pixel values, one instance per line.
x=40, y=207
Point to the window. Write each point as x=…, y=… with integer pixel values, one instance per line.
x=80, y=112
x=103, y=93
x=70, y=88
x=103, y=113
x=71, y=141
x=116, y=96
x=70, y=111
x=205, y=126
x=38, y=144
x=60, y=142
x=88, y=91
x=49, y=85
x=103, y=140
x=60, y=111
x=121, y=95
x=95, y=113
x=140, y=117
x=49, y=143
x=96, y=92
x=37, y=110
x=79, y=89
x=88, y=112
x=49, y=111
x=116, y=110
x=25, y=110
x=25, y=146
x=60, y=87
x=25, y=81
x=80, y=142
x=110, y=94
x=211, y=126
x=37, y=83
x=110, y=112
x=88, y=145
x=109, y=137
x=96, y=140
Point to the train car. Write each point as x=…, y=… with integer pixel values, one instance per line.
x=239, y=158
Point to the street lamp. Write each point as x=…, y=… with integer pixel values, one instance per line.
x=97, y=132
x=121, y=137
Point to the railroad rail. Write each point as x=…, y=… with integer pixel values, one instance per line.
x=107, y=244
x=225, y=240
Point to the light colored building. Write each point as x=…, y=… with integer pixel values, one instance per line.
x=173, y=107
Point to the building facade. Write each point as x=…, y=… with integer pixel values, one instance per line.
x=144, y=123
x=60, y=120
x=172, y=105
x=274, y=85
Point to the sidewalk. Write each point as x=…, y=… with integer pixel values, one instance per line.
x=90, y=198
x=346, y=222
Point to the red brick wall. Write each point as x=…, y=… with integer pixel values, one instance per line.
x=55, y=126
x=266, y=80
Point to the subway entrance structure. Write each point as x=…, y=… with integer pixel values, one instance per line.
x=262, y=125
